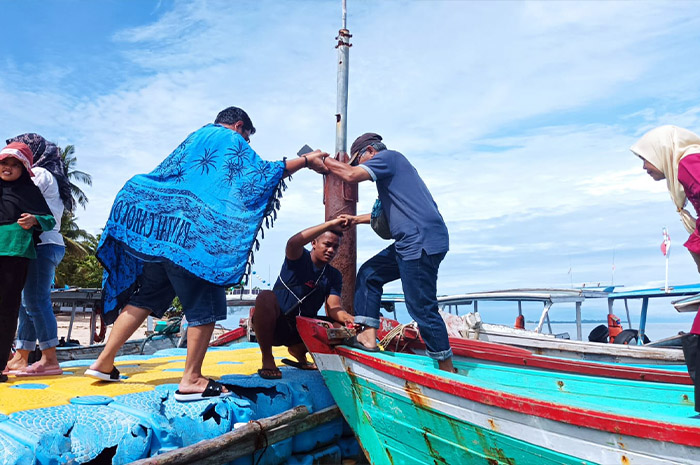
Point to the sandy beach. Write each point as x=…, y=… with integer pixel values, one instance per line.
x=81, y=328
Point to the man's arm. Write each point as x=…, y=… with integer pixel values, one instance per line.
x=296, y=243
x=349, y=174
x=360, y=219
x=336, y=312
x=312, y=160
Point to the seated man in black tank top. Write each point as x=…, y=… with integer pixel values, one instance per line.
x=305, y=283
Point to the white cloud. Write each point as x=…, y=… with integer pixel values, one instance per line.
x=518, y=115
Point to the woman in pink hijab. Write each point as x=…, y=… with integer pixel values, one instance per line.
x=673, y=154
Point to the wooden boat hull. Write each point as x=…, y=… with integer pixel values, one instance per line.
x=403, y=410
x=143, y=346
x=471, y=326
x=133, y=347
x=474, y=349
x=584, y=350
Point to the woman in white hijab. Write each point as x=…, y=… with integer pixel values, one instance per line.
x=673, y=154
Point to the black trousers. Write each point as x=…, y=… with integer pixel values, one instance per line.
x=692, y=360
x=13, y=274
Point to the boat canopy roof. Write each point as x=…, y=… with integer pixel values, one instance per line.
x=673, y=291
x=525, y=295
x=687, y=304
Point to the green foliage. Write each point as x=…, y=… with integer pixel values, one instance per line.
x=70, y=161
x=79, y=267
x=175, y=309
x=80, y=271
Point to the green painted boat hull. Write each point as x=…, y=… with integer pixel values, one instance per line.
x=395, y=431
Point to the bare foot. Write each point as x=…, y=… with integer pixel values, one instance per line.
x=20, y=361
x=44, y=365
x=368, y=337
x=299, y=352
x=198, y=385
x=102, y=367
x=446, y=365
x=268, y=362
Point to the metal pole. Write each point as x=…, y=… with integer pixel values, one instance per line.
x=643, y=321
x=339, y=197
x=343, y=46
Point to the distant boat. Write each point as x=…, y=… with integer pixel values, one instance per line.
x=467, y=322
x=404, y=410
x=241, y=297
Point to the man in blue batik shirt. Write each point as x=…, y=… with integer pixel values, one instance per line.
x=420, y=243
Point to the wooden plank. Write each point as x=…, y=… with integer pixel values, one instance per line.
x=247, y=439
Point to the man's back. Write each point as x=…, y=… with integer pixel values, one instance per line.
x=415, y=221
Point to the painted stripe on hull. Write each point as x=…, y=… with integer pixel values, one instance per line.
x=687, y=432
x=591, y=445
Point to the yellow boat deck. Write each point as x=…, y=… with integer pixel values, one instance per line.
x=143, y=373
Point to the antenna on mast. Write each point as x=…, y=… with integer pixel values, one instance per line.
x=345, y=14
x=612, y=279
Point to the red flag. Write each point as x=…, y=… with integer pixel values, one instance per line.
x=666, y=244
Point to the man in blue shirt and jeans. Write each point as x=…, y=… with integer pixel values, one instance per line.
x=420, y=243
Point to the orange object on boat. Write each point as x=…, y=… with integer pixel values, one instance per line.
x=520, y=322
x=614, y=327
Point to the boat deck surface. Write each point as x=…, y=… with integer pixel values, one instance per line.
x=75, y=419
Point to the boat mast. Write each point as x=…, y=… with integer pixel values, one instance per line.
x=339, y=197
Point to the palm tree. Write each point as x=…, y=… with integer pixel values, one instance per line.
x=78, y=241
x=69, y=162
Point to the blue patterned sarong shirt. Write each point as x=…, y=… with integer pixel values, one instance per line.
x=200, y=209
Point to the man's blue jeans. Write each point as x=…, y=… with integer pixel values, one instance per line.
x=36, y=318
x=419, y=282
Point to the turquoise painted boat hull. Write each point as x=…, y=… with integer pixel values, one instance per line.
x=405, y=411
x=421, y=435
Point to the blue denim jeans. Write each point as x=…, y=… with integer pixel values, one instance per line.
x=419, y=282
x=36, y=318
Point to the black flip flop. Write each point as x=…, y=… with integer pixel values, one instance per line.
x=277, y=374
x=213, y=390
x=111, y=377
x=301, y=366
x=354, y=343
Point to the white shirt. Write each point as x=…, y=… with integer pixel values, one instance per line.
x=48, y=186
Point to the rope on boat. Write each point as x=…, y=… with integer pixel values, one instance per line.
x=396, y=332
x=261, y=441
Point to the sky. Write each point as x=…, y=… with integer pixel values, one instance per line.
x=517, y=115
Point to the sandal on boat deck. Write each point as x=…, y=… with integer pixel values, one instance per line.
x=300, y=365
x=39, y=370
x=112, y=377
x=213, y=390
x=270, y=373
x=355, y=344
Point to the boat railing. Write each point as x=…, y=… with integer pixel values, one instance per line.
x=646, y=294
